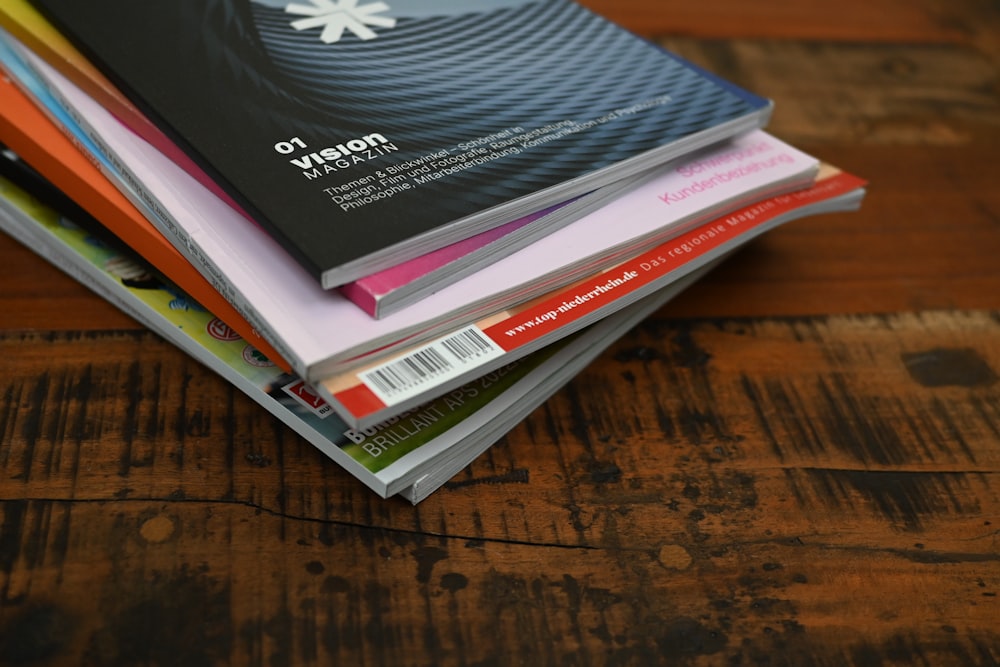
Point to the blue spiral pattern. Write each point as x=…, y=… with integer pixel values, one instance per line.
x=438, y=81
x=227, y=79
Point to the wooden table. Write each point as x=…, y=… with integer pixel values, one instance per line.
x=796, y=463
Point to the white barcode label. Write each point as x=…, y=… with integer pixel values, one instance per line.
x=430, y=365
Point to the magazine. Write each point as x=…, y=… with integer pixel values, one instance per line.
x=430, y=443
x=363, y=135
x=33, y=136
x=392, y=382
x=384, y=292
x=279, y=301
x=407, y=282
x=378, y=294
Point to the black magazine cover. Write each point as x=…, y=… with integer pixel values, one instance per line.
x=361, y=134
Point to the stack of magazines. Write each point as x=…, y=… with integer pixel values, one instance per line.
x=397, y=228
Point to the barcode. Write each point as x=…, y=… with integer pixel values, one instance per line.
x=430, y=365
x=412, y=370
x=467, y=344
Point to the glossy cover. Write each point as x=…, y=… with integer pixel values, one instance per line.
x=372, y=292
x=361, y=134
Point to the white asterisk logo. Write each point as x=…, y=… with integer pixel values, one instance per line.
x=334, y=16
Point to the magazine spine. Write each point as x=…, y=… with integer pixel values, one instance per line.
x=132, y=187
x=76, y=267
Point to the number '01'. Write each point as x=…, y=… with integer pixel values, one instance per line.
x=286, y=147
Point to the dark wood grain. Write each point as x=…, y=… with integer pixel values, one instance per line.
x=879, y=20
x=707, y=490
x=795, y=463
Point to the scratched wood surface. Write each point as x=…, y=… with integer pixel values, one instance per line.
x=795, y=463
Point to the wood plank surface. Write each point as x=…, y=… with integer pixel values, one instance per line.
x=877, y=20
x=709, y=488
x=797, y=462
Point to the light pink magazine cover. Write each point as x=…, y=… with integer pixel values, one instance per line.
x=321, y=332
